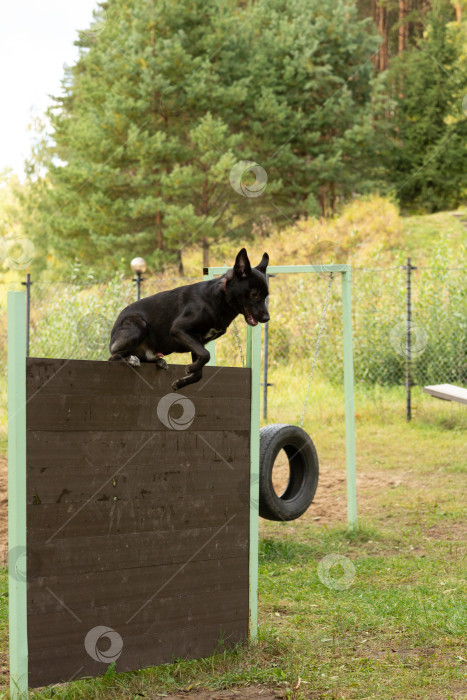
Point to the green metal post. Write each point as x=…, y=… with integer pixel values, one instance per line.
x=349, y=401
x=249, y=330
x=254, y=361
x=17, y=592
x=211, y=346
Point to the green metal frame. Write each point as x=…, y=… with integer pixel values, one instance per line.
x=17, y=599
x=254, y=361
x=17, y=457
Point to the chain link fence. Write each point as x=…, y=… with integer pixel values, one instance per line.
x=438, y=350
x=72, y=320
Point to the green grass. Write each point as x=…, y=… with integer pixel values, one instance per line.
x=423, y=233
x=395, y=615
x=398, y=631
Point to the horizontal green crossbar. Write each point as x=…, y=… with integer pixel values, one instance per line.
x=289, y=269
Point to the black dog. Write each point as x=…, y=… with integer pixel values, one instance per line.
x=186, y=318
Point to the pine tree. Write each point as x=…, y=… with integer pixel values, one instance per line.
x=428, y=165
x=170, y=96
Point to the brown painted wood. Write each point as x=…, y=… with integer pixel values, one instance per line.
x=163, y=612
x=68, y=412
x=147, y=483
x=51, y=522
x=79, y=377
x=109, y=552
x=124, y=448
x=100, y=588
x=128, y=518
x=71, y=662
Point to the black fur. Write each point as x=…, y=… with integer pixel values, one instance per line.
x=186, y=318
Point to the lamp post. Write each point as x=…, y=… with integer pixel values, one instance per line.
x=138, y=266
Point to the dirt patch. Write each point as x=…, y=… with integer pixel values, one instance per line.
x=455, y=532
x=329, y=506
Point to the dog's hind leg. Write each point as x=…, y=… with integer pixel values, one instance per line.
x=126, y=337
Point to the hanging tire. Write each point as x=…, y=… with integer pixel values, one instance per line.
x=303, y=472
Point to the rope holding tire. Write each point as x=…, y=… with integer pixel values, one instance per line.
x=303, y=472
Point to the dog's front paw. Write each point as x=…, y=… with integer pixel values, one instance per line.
x=176, y=384
x=133, y=361
x=161, y=363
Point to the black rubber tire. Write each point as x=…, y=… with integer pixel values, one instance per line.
x=303, y=476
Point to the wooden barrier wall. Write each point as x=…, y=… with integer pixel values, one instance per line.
x=137, y=516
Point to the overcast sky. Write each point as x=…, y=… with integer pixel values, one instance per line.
x=36, y=40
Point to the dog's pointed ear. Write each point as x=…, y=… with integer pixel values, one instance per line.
x=263, y=264
x=242, y=267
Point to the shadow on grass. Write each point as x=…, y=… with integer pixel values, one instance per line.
x=273, y=549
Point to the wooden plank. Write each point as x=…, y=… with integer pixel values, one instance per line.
x=447, y=392
x=135, y=448
x=101, y=412
x=100, y=588
x=129, y=550
x=131, y=524
x=91, y=378
x=99, y=518
x=59, y=628
x=59, y=484
x=72, y=662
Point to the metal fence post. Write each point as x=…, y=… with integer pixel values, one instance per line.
x=349, y=400
x=265, y=361
x=408, y=350
x=138, y=279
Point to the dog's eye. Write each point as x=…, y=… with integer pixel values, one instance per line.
x=254, y=294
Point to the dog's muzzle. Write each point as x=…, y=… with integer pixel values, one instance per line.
x=252, y=321
x=249, y=319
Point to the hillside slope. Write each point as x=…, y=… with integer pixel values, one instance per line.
x=368, y=232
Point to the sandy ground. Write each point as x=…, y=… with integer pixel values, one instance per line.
x=329, y=506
